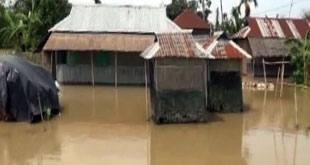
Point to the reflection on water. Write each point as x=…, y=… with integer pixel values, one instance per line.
x=108, y=126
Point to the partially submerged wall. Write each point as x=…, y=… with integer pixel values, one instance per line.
x=271, y=70
x=225, y=86
x=75, y=68
x=82, y=74
x=178, y=91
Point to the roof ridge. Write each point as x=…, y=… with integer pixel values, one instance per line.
x=118, y=6
x=277, y=18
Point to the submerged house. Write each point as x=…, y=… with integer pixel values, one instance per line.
x=188, y=19
x=178, y=78
x=102, y=44
x=225, y=74
x=264, y=38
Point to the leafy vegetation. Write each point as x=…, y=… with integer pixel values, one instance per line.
x=247, y=8
x=306, y=14
x=178, y=6
x=300, y=59
x=236, y=22
x=97, y=1
x=24, y=25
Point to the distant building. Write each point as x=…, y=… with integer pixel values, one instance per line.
x=191, y=21
x=264, y=38
x=102, y=43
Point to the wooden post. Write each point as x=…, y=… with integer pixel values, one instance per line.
x=56, y=62
x=92, y=69
x=51, y=62
x=41, y=54
x=265, y=76
x=278, y=76
x=253, y=67
x=40, y=106
x=116, y=70
x=206, y=81
x=146, y=91
x=296, y=108
x=282, y=78
x=155, y=73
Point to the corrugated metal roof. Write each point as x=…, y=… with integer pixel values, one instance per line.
x=275, y=28
x=223, y=48
x=98, y=42
x=176, y=45
x=243, y=33
x=125, y=19
x=190, y=20
x=268, y=47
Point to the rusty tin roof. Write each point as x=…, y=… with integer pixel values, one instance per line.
x=275, y=28
x=223, y=48
x=190, y=20
x=175, y=45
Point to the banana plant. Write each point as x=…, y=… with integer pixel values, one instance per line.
x=300, y=58
x=20, y=29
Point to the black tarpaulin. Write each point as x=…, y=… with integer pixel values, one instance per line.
x=26, y=90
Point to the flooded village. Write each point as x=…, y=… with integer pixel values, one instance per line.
x=153, y=85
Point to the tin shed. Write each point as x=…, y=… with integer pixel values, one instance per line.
x=178, y=79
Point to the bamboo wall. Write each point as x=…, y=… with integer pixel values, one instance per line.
x=178, y=91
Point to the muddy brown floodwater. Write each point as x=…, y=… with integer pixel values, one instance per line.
x=108, y=126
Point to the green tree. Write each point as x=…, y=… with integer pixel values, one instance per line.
x=235, y=23
x=29, y=21
x=246, y=4
x=97, y=1
x=300, y=59
x=20, y=30
x=193, y=5
x=217, y=20
x=230, y=25
x=306, y=14
x=206, y=11
x=176, y=8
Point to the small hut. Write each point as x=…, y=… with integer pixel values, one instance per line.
x=101, y=43
x=225, y=74
x=189, y=20
x=264, y=39
x=178, y=79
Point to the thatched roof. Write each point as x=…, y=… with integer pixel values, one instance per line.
x=98, y=42
x=268, y=47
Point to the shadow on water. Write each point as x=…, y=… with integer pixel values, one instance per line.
x=104, y=125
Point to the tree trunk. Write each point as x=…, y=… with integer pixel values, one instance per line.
x=203, y=10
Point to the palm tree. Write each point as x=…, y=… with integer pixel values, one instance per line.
x=300, y=58
x=246, y=4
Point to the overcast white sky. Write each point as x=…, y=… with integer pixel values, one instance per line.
x=265, y=7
